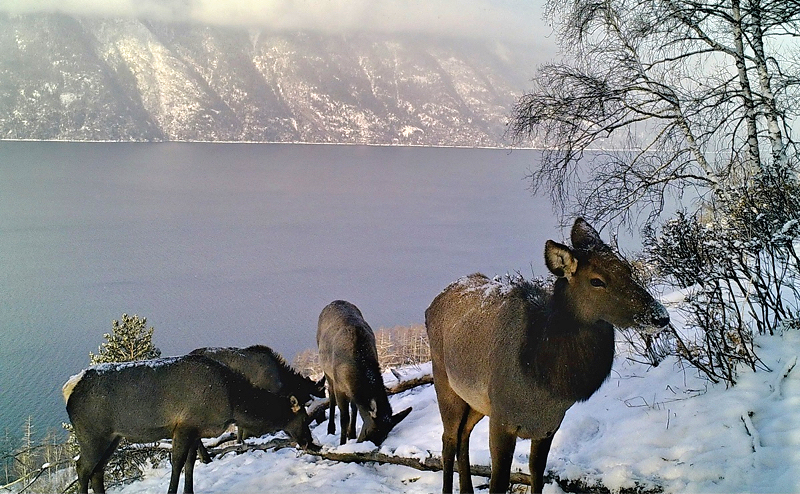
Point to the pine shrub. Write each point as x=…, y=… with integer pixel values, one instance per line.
x=128, y=341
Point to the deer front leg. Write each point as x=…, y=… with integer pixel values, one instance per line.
x=538, y=461
x=344, y=418
x=501, y=446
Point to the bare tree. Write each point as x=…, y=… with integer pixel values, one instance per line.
x=687, y=95
x=698, y=91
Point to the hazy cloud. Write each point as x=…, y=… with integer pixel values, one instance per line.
x=499, y=19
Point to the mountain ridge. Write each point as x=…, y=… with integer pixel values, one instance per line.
x=75, y=78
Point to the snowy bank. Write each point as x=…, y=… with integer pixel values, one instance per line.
x=652, y=428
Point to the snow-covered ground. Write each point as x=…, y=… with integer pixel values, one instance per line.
x=653, y=427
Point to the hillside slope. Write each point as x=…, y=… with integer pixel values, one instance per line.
x=72, y=78
x=646, y=429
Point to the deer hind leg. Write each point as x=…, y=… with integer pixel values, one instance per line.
x=501, y=447
x=98, y=485
x=351, y=428
x=183, y=441
x=344, y=417
x=331, y=407
x=454, y=412
x=94, y=456
x=538, y=461
x=85, y=467
x=464, y=473
x=202, y=452
x=188, y=475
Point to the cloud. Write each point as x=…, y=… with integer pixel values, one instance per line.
x=500, y=19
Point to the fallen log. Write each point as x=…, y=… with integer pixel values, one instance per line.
x=433, y=463
x=430, y=463
x=411, y=383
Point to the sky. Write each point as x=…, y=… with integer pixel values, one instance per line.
x=508, y=20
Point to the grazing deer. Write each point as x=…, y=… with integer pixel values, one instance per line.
x=522, y=353
x=265, y=369
x=182, y=398
x=349, y=359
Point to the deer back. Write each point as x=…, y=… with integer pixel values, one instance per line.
x=145, y=400
x=347, y=352
x=265, y=369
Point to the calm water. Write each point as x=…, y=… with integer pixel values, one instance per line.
x=232, y=245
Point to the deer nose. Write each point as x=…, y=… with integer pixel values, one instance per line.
x=660, y=317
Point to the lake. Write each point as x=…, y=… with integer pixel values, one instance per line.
x=238, y=244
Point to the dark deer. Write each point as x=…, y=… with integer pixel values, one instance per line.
x=266, y=369
x=182, y=398
x=349, y=359
x=522, y=353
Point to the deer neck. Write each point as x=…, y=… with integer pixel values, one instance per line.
x=569, y=358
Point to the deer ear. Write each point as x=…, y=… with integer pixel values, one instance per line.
x=373, y=409
x=396, y=418
x=585, y=237
x=559, y=259
x=295, y=404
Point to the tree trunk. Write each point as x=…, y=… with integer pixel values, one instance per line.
x=753, y=155
x=779, y=158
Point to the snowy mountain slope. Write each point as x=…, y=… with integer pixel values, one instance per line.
x=653, y=428
x=65, y=77
x=53, y=84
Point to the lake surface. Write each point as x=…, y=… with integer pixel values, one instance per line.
x=237, y=244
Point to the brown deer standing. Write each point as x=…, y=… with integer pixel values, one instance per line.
x=523, y=354
x=349, y=358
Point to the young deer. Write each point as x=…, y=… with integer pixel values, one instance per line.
x=182, y=398
x=349, y=359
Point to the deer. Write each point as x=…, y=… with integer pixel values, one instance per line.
x=265, y=369
x=349, y=359
x=182, y=398
x=523, y=352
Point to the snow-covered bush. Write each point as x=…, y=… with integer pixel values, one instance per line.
x=128, y=341
x=681, y=250
x=738, y=258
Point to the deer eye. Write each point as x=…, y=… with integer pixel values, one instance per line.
x=597, y=282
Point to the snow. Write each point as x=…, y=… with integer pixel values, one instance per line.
x=117, y=366
x=652, y=427
x=409, y=130
x=489, y=288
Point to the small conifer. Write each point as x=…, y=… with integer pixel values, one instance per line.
x=129, y=340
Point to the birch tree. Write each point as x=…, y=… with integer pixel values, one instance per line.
x=688, y=95
x=698, y=93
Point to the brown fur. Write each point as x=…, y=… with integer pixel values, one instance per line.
x=265, y=369
x=522, y=353
x=349, y=359
x=182, y=398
